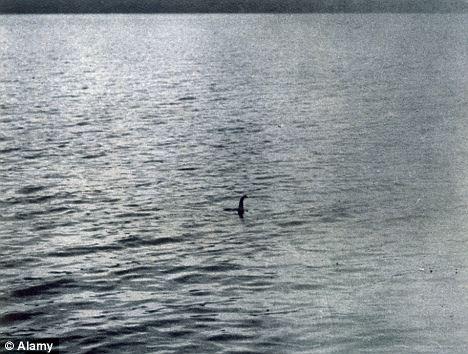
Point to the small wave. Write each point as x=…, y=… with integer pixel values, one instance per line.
x=179, y=333
x=177, y=269
x=259, y=284
x=133, y=215
x=305, y=287
x=222, y=267
x=93, y=156
x=261, y=178
x=197, y=292
x=17, y=262
x=47, y=287
x=31, y=189
x=79, y=251
x=292, y=223
x=187, y=98
x=143, y=184
x=132, y=270
x=134, y=241
x=35, y=213
x=225, y=337
x=154, y=161
x=190, y=278
x=167, y=322
x=328, y=219
x=33, y=156
x=217, y=99
x=9, y=318
x=187, y=168
x=50, y=226
x=198, y=309
x=341, y=212
x=229, y=130
x=405, y=218
x=8, y=150
x=218, y=146
x=30, y=200
x=66, y=96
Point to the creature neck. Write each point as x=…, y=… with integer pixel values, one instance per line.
x=241, y=204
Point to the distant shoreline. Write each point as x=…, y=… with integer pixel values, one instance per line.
x=229, y=6
x=229, y=12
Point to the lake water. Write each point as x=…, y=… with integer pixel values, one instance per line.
x=123, y=137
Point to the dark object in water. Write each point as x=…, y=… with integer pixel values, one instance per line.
x=240, y=210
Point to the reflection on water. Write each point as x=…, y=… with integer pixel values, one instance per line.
x=122, y=138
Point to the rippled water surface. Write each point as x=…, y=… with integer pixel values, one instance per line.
x=123, y=138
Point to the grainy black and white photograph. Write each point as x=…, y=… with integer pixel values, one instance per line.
x=233, y=176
